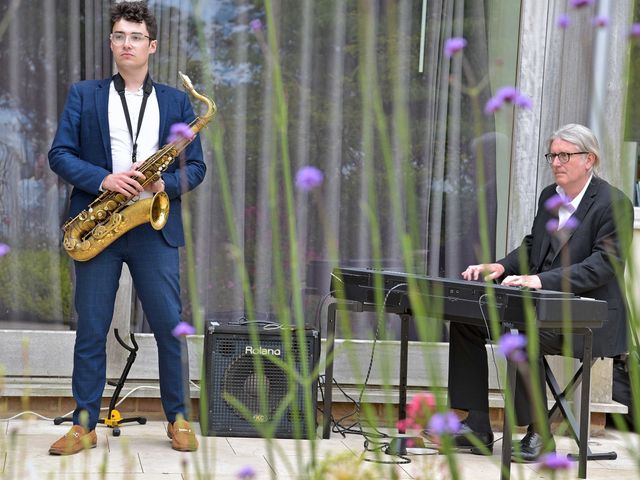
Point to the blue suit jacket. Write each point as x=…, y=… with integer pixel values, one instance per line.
x=81, y=149
x=588, y=258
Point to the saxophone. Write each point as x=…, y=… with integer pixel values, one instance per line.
x=110, y=215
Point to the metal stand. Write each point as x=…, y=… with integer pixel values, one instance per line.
x=114, y=419
x=328, y=371
x=580, y=435
x=584, y=453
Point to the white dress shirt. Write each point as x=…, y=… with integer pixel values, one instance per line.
x=121, y=142
x=565, y=211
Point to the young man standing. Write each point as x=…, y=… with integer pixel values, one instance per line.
x=108, y=127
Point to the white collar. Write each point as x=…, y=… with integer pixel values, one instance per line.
x=578, y=198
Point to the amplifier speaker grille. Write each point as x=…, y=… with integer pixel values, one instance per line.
x=230, y=369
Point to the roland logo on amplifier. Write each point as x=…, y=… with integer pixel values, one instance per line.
x=251, y=350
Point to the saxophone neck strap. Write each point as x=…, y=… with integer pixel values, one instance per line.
x=147, y=88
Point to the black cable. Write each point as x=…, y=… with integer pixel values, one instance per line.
x=318, y=321
x=493, y=355
x=375, y=341
x=384, y=447
x=486, y=325
x=356, y=427
x=243, y=321
x=340, y=428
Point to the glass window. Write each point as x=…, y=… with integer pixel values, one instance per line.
x=408, y=157
x=633, y=110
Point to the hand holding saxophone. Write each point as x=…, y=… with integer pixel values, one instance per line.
x=154, y=187
x=112, y=214
x=126, y=183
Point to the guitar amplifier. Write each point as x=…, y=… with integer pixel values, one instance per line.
x=232, y=375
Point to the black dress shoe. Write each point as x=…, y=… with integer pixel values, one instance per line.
x=462, y=440
x=531, y=447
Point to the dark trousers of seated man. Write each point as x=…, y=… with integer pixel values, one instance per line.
x=469, y=375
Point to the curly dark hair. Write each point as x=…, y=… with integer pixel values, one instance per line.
x=137, y=12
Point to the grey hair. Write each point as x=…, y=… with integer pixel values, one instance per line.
x=580, y=136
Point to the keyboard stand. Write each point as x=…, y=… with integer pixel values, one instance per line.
x=355, y=306
x=560, y=396
x=328, y=369
x=585, y=410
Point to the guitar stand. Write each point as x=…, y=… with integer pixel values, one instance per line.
x=114, y=419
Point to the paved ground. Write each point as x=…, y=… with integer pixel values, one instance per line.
x=143, y=452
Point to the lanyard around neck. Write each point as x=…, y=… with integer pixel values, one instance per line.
x=118, y=83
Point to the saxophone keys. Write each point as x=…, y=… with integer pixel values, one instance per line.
x=99, y=232
x=69, y=243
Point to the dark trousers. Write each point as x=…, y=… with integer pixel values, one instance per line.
x=154, y=267
x=469, y=370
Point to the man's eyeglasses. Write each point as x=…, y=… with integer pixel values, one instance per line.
x=118, y=38
x=564, y=157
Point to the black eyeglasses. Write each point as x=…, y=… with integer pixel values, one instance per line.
x=118, y=38
x=564, y=157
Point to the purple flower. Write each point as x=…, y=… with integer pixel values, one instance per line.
x=493, y=105
x=523, y=101
x=580, y=3
x=635, y=30
x=512, y=347
x=183, y=329
x=571, y=224
x=600, y=21
x=552, y=225
x=444, y=423
x=308, y=178
x=563, y=20
x=453, y=46
x=553, y=461
x=4, y=249
x=256, y=25
x=554, y=202
x=180, y=131
x=246, y=473
x=507, y=95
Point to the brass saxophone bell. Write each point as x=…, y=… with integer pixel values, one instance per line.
x=111, y=215
x=159, y=210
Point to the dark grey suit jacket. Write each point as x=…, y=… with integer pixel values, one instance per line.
x=589, y=261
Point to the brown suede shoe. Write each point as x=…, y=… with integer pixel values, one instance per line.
x=74, y=441
x=182, y=437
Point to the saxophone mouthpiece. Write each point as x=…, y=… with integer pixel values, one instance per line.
x=211, y=106
x=186, y=81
